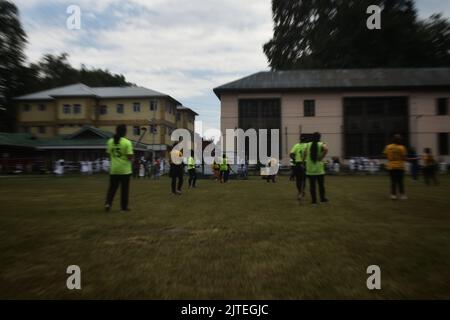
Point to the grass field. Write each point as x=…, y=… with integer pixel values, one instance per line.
x=244, y=240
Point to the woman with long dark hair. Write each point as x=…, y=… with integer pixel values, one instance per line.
x=315, y=167
x=121, y=153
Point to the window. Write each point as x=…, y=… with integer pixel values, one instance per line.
x=153, y=129
x=66, y=109
x=26, y=107
x=119, y=108
x=442, y=106
x=76, y=109
x=41, y=129
x=169, y=131
x=444, y=144
x=42, y=107
x=309, y=108
x=136, y=107
x=178, y=116
x=137, y=131
x=153, y=105
x=103, y=109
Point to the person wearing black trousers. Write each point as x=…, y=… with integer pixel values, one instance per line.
x=176, y=170
x=120, y=151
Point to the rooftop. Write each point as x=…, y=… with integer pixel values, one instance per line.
x=340, y=79
x=82, y=90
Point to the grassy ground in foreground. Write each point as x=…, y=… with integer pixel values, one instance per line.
x=244, y=240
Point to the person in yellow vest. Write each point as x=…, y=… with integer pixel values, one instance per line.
x=315, y=167
x=298, y=156
x=192, y=171
x=396, y=155
x=224, y=169
x=429, y=167
x=176, y=170
x=121, y=153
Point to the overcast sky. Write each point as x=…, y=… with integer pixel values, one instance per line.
x=182, y=48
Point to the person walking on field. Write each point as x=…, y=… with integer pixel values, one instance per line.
x=224, y=169
x=298, y=157
x=176, y=170
x=315, y=167
x=429, y=167
x=121, y=153
x=396, y=155
x=191, y=170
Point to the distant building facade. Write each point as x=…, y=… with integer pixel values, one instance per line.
x=357, y=111
x=63, y=111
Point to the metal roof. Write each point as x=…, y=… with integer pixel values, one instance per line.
x=183, y=108
x=81, y=90
x=340, y=79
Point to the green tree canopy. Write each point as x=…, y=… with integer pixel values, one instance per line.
x=334, y=34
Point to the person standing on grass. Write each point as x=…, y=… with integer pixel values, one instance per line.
x=176, y=170
x=191, y=170
x=298, y=157
x=224, y=169
x=121, y=153
x=429, y=167
x=396, y=155
x=315, y=167
x=413, y=159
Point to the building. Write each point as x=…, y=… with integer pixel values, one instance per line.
x=64, y=110
x=357, y=111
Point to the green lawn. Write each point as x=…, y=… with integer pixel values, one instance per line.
x=244, y=240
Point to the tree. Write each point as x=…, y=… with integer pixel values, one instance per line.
x=12, y=58
x=333, y=34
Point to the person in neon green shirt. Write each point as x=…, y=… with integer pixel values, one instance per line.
x=224, y=170
x=191, y=170
x=121, y=153
x=298, y=156
x=315, y=167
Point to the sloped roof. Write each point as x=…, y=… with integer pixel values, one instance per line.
x=183, y=108
x=81, y=90
x=340, y=79
x=77, y=139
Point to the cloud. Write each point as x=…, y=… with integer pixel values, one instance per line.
x=182, y=48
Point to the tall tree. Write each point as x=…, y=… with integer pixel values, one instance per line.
x=334, y=34
x=12, y=58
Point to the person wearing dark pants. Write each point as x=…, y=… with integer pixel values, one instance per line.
x=224, y=170
x=397, y=181
x=192, y=171
x=176, y=170
x=114, y=182
x=120, y=151
x=319, y=180
x=298, y=156
x=315, y=167
x=176, y=174
x=396, y=155
x=429, y=167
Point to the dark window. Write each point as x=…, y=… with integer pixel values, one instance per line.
x=66, y=109
x=309, y=108
x=42, y=107
x=178, y=116
x=136, y=107
x=153, y=105
x=442, y=106
x=119, y=108
x=41, y=129
x=26, y=107
x=76, y=109
x=370, y=122
x=137, y=131
x=103, y=109
x=444, y=144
